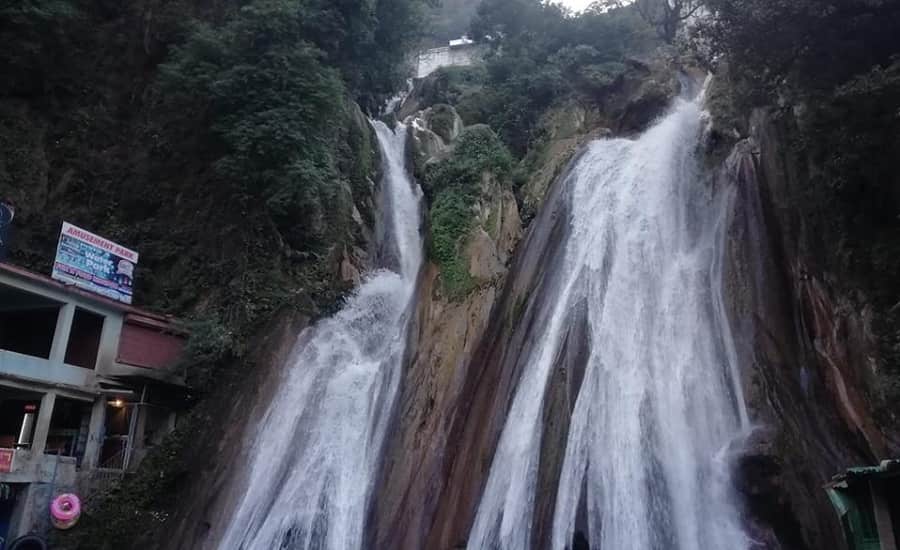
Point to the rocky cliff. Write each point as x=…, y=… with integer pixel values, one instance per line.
x=446, y=333
x=809, y=355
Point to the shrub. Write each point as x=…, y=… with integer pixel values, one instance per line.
x=441, y=121
x=452, y=187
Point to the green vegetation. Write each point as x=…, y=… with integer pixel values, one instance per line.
x=451, y=219
x=542, y=55
x=448, y=20
x=442, y=121
x=452, y=187
x=461, y=87
x=665, y=15
x=272, y=106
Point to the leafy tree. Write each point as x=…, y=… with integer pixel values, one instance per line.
x=450, y=20
x=272, y=105
x=368, y=40
x=542, y=53
x=819, y=43
x=667, y=15
x=29, y=31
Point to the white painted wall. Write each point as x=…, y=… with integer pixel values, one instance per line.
x=435, y=58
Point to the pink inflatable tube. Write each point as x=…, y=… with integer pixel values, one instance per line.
x=65, y=510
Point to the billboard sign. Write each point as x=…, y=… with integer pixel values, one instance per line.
x=94, y=264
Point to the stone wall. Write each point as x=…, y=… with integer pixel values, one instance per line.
x=447, y=56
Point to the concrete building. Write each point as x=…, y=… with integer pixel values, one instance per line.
x=87, y=386
x=460, y=53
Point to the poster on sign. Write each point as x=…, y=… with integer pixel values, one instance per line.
x=94, y=264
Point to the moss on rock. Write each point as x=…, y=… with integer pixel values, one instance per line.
x=453, y=187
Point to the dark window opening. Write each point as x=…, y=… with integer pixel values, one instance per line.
x=892, y=492
x=18, y=416
x=27, y=322
x=862, y=516
x=84, y=339
x=69, y=427
x=115, y=443
x=8, y=500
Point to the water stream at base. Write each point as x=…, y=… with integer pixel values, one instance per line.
x=646, y=462
x=318, y=446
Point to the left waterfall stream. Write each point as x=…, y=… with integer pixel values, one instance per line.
x=318, y=445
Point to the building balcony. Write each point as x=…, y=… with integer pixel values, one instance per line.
x=35, y=369
x=29, y=467
x=61, y=336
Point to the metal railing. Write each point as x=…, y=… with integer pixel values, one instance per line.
x=104, y=478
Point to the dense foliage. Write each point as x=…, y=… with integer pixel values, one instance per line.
x=452, y=187
x=809, y=44
x=272, y=105
x=449, y=20
x=666, y=15
x=542, y=54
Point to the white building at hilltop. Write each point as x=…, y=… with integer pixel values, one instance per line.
x=461, y=52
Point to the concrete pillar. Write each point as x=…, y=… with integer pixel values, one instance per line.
x=109, y=343
x=96, y=433
x=31, y=500
x=882, y=516
x=61, y=335
x=42, y=427
x=141, y=427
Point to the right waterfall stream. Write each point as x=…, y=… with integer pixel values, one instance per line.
x=646, y=463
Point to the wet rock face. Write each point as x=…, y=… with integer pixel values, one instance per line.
x=566, y=129
x=806, y=354
x=761, y=483
x=494, y=369
x=445, y=337
x=433, y=131
x=460, y=381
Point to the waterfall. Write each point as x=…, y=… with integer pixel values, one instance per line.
x=318, y=446
x=646, y=463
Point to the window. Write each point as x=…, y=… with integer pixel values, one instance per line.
x=18, y=410
x=118, y=427
x=27, y=322
x=84, y=339
x=69, y=427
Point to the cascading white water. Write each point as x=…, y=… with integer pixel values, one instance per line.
x=315, y=458
x=660, y=403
